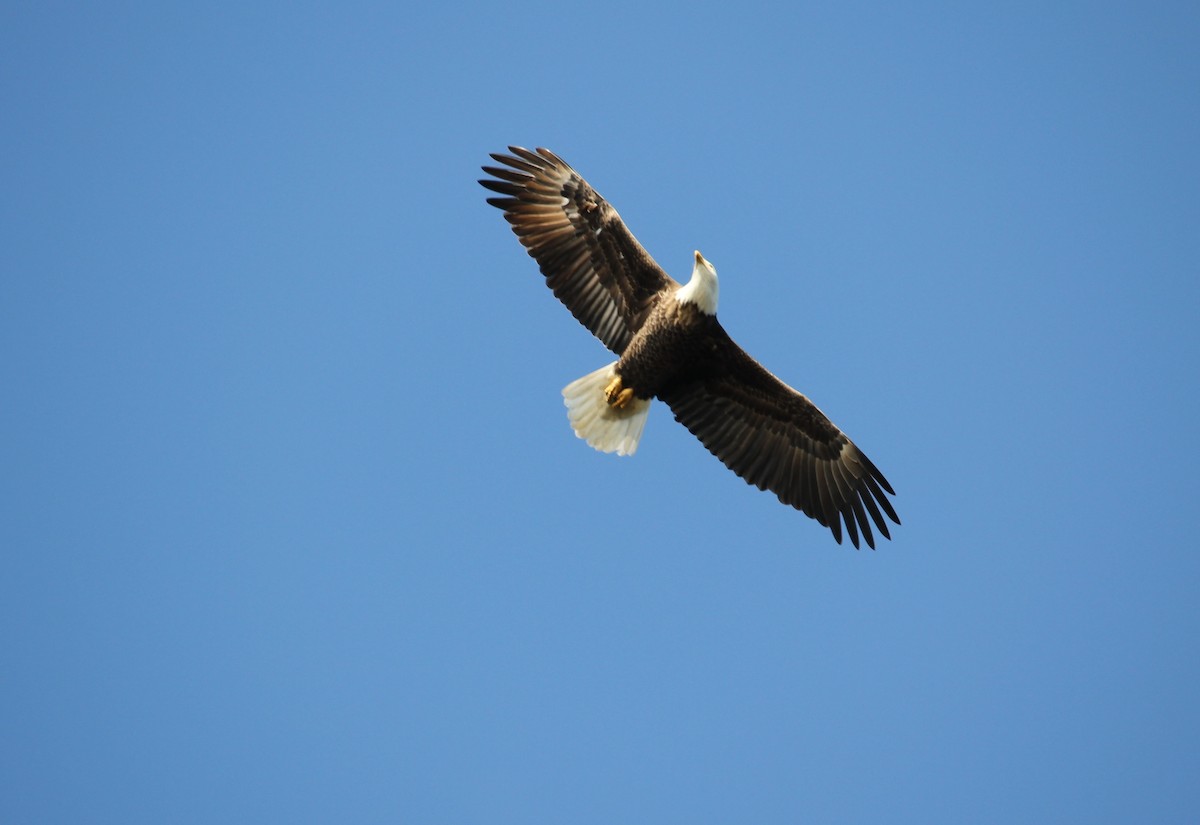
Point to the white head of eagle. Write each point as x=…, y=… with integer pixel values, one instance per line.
x=702, y=290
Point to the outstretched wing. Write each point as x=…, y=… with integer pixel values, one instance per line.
x=777, y=440
x=591, y=261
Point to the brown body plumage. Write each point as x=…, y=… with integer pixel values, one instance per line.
x=672, y=347
x=676, y=344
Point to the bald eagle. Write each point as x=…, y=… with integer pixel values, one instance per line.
x=671, y=347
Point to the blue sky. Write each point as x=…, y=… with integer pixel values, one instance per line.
x=293, y=526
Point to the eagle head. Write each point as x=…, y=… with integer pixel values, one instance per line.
x=703, y=288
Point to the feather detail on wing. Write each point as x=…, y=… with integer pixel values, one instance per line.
x=777, y=440
x=590, y=260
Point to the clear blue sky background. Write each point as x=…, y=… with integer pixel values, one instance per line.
x=293, y=527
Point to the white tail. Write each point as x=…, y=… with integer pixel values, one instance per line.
x=604, y=427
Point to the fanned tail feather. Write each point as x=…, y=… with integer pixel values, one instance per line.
x=604, y=427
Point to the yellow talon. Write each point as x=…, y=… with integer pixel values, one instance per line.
x=613, y=388
x=617, y=394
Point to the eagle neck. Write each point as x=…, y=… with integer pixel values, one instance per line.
x=702, y=290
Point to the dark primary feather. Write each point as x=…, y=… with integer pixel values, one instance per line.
x=777, y=440
x=590, y=260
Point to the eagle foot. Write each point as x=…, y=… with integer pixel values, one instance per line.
x=616, y=394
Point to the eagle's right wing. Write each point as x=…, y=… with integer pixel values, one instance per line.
x=590, y=259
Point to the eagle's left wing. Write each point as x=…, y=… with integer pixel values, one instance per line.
x=776, y=439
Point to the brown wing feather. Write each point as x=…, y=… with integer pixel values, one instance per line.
x=592, y=262
x=777, y=440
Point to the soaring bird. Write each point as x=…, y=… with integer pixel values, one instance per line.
x=671, y=346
